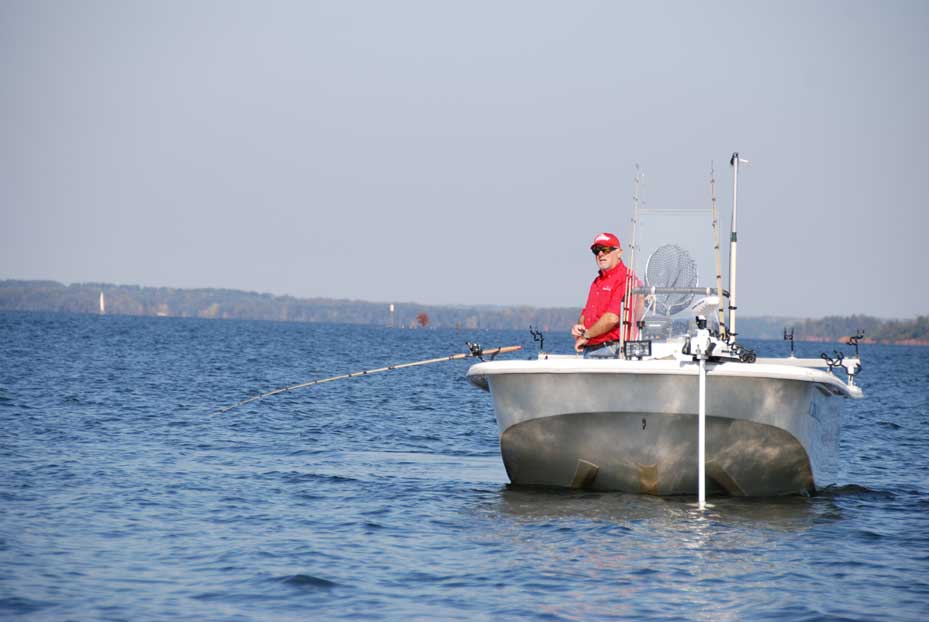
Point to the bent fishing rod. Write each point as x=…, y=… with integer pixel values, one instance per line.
x=474, y=351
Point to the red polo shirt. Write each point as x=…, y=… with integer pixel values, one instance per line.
x=606, y=294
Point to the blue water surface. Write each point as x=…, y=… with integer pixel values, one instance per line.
x=384, y=497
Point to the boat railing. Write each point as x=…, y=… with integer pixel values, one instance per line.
x=697, y=291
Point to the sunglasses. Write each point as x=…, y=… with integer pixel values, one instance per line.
x=596, y=250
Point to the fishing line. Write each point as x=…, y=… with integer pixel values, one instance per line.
x=474, y=350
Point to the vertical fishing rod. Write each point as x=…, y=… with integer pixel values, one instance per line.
x=626, y=313
x=719, y=271
x=733, y=241
x=635, y=241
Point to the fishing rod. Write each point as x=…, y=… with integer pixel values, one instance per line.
x=627, y=314
x=733, y=240
x=474, y=350
x=719, y=271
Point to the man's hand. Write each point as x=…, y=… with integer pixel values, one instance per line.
x=579, y=343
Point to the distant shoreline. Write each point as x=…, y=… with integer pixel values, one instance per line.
x=210, y=303
x=866, y=340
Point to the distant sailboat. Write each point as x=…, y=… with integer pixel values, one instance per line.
x=102, y=304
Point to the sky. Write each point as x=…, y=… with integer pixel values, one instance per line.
x=465, y=152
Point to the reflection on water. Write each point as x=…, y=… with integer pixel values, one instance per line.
x=785, y=513
x=644, y=552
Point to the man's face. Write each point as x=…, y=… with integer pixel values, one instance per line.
x=607, y=257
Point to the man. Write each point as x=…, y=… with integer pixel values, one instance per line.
x=596, y=333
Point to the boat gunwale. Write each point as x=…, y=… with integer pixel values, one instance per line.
x=731, y=369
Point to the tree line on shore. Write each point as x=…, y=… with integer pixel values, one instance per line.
x=51, y=296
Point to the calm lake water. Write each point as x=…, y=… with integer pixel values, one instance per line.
x=384, y=497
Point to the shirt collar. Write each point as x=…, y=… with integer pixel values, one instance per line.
x=611, y=271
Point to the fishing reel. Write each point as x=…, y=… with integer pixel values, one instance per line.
x=702, y=344
x=707, y=344
x=475, y=350
x=745, y=355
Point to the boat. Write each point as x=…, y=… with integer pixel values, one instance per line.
x=683, y=410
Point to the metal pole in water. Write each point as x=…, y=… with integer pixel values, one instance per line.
x=701, y=437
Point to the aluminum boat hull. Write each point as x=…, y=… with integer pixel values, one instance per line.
x=631, y=426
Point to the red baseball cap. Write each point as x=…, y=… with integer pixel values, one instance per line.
x=606, y=239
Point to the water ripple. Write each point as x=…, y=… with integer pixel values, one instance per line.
x=384, y=497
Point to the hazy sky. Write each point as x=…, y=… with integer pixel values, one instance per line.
x=463, y=152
